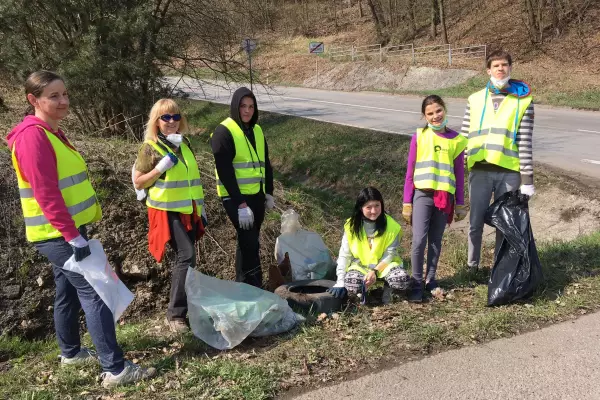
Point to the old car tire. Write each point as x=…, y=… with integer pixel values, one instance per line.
x=310, y=295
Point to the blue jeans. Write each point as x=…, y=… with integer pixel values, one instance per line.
x=73, y=292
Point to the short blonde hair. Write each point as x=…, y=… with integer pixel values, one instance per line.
x=161, y=107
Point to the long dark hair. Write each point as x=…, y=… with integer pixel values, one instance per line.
x=429, y=100
x=36, y=83
x=356, y=221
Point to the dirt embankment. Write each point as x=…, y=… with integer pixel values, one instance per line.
x=365, y=76
x=27, y=292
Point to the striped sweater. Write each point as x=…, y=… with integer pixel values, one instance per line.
x=524, y=139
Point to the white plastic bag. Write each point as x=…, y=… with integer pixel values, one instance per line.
x=223, y=313
x=141, y=193
x=98, y=272
x=309, y=256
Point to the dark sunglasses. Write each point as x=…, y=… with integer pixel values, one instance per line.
x=169, y=117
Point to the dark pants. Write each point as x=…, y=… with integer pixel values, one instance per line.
x=73, y=292
x=428, y=225
x=184, y=244
x=247, y=256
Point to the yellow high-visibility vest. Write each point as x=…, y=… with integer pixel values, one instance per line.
x=434, y=167
x=179, y=185
x=249, y=164
x=77, y=192
x=492, y=134
x=365, y=255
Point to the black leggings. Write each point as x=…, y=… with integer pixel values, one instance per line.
x=184, y=244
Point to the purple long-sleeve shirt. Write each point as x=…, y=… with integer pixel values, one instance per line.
x=459, y=169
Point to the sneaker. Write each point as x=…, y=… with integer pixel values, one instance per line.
x=386, y=297
x=416, y=293
x=472, y=269
x=177, y=325
x=431, y=285
x=132, y=373
x=85, y=356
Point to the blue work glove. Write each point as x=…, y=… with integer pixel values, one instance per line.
x=338, y=292
x=80, y=247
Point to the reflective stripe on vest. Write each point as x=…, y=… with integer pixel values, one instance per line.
x=492, y=134
x=248, y=163
x=370, y=255
x=179, y=185
x=434, y=167
x=75, y=187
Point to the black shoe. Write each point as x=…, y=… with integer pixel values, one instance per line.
x=472, y=269
x=416, y=294
x=431, y=285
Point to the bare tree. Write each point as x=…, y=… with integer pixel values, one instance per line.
x=443, y=21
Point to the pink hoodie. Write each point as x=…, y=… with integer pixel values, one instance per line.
x=37, y=162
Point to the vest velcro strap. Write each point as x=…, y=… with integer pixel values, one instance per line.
x=495, y=147
x=492, y=131
x=72, y=180
x=169, y=205
x=160, y=184
x=73, y=210
x=434, y=177
x=434, y=164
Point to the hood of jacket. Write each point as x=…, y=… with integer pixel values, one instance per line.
x=234, y=109
x=28, y=121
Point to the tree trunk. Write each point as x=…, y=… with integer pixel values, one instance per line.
x=412, y=24
x=443, y=21
x=433, y=19
x=376, y=19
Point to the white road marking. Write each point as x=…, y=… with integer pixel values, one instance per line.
x=591, y=161
x=583, y=130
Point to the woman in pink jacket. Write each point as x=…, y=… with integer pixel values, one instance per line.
x=58, y=201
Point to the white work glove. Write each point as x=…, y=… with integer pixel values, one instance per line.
x=166, y=163
x=269, y=202
x=245, y=218
x=528, y=190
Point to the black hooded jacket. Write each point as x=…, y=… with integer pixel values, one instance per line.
x=223, y=148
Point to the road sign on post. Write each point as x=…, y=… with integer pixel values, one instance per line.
x=316, y=47
x=249, y=45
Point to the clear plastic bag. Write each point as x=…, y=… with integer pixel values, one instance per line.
x=99, y=274
x=309, y=256
x=223, y=313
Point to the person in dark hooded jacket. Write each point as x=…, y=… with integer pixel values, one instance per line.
x=244, y=180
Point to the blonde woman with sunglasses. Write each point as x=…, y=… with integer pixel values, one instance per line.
x=167, y=168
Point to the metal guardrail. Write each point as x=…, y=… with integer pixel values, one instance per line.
x=407, y=50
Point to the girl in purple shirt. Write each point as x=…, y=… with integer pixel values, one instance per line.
x=426, y=209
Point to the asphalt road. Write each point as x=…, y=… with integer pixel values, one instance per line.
x=564, y=138
x=558, y=362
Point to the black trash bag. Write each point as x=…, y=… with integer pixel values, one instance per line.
x=517, y=270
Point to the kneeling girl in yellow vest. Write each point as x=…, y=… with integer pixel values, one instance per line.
x=434, y=180
x=166, y=166
x=369, y=248
x=58, y=201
